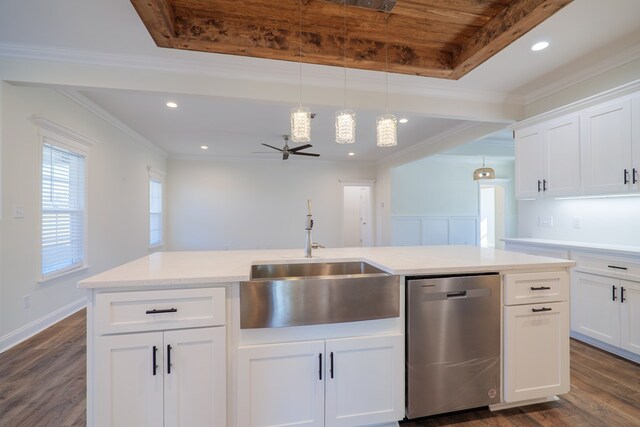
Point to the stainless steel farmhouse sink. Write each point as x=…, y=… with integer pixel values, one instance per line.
x=279, y=295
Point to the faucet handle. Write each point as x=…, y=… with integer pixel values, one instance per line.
x=316, y=245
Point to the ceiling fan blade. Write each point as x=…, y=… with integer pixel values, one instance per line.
x=302, y=147
x=307, y=154
x=271, y=146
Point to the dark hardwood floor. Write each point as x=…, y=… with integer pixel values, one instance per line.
x=42, y=383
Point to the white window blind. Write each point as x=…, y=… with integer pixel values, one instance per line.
x=63, y=207
x=155, y=212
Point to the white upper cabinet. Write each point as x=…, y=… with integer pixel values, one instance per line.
x=606, y=148
x=548, y=159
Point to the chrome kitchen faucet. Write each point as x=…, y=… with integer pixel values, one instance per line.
x=308, y=227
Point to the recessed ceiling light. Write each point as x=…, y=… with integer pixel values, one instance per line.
x=539, y=46
x=204, y=147
x=352, y=154
x=171, y=104
x=403, y=120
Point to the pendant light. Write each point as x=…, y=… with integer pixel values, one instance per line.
x=484, y=172
x=387, y=124
x=300, y=116
x=345, y=119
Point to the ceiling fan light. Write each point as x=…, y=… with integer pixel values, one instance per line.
x=386, y=131
x=300, y=125
x=345, y=127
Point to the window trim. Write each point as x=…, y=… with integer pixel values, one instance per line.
x=60, y=136
x=158, y=176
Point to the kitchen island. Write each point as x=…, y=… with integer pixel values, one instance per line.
x=165, y=344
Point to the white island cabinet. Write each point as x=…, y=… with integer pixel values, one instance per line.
x=165, y=346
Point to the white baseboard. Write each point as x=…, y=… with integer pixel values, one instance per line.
x=27, y=331
x=606, y=347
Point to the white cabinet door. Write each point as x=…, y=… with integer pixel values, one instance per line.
x=561, y=158
x=596, y=310
x=128, y=389
x=528, y=152
x=281, y=384
x=630, y=316
x=635, y=135
x=364, y=383
x=536, y=351
x=195, y=377
x=606, y=148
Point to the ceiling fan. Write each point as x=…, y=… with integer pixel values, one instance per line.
x=296, y=150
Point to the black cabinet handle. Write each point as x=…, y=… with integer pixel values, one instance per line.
x=320, y=366
x=331, y=367
x=537, y=310
x=153, y=361
x=616, y=267
x=544, y=185
x=613, y=293
x=634, y=176
x=168, y=358
x=539, y=184
x=621, y=293
x=164, y=310
x=626, y=176
x=540, y=288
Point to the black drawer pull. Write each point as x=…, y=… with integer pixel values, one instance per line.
x=634, y=176
x=537, y=310
x=164, y=310
x=621, y=293
x=626, y=176
x=539, y=183
x=169, y=358
x=616, y=267
x=541, y=288
x=613, y=293
x=331, y=366
x=544, y=185
x=320, y=366
x=153, y=359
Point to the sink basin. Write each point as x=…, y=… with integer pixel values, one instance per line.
x=317, y=269
x=280, y=295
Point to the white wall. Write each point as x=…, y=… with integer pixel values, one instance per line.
x=443, y=186
x=256, y=204
x=606, y=220
x=117, y=203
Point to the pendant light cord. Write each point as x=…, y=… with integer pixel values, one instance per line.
x=386, y=60
x=344, y=46
x=300, y=48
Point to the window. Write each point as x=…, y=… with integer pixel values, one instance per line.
x=155, y=212
x=63, y=209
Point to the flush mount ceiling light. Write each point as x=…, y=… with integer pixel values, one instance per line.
x=345, y=119
x=386, y=125
x=171, y=104
x=403, y=120
x=204, y=147
x=484, y=172
x=300, y=117
x=352, y=154
x=540, y=46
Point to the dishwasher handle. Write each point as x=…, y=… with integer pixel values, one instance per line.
x=429, y=293
x=457, y=294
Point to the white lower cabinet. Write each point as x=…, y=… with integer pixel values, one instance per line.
x=607, y=309
x=170, y=378
x=337, y=382
x=536, y=358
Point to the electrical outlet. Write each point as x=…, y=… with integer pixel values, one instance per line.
x=577, y=222
x=26, y=301
x=545, y=221
x=18, y=211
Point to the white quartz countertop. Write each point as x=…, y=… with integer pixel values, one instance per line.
x=186, y=268
x=620, y=249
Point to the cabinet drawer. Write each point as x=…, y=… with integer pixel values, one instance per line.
x=531, y=288
x=120, y=312
x=608, y=264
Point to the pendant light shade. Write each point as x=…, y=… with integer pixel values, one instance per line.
x=345, y=127
x=300, y=124
x=386, y=131
x=484, y=172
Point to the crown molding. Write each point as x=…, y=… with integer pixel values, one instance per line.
x=631, y=88
x=265, y=70
x=615, y=61
x=91, y=106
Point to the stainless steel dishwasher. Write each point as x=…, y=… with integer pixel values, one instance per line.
x=453, y=343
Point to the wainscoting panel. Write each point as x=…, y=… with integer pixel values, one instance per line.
x=430, y=230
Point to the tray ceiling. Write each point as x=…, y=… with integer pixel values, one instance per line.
x=431, y=38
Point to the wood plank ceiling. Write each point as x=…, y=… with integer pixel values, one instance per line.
x=432, y=38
